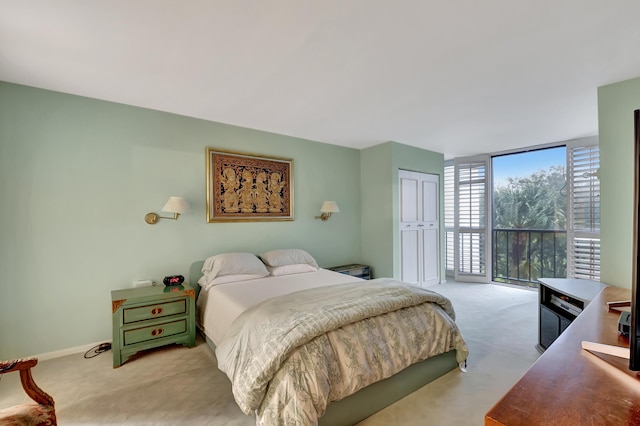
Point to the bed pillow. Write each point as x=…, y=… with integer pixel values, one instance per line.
x=207, y=283
x=282, y=257
x=297, y=268
x=226, y=264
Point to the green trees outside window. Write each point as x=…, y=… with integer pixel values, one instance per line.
x=529, y=227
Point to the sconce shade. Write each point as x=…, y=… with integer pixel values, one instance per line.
x=329, y=207
x=176, y=205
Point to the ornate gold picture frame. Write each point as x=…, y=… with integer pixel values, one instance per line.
x=248, y=187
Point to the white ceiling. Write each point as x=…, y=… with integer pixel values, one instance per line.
x=459, y=76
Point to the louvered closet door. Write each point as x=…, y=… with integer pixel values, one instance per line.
x=419, y=228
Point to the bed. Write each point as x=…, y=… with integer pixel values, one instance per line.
x=305, y=345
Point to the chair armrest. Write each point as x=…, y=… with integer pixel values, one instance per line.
x=17, y=364
x=24, y=367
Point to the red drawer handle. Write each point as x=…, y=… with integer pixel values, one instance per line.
x=156, y=311
x=157, y=332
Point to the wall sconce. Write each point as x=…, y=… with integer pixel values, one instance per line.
x=175, y=205
x=327, y=208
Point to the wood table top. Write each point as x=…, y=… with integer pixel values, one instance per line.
x=570, y=386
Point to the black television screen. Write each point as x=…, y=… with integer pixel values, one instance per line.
x=634, y=336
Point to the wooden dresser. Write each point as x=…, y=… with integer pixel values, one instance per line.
x=570, y=386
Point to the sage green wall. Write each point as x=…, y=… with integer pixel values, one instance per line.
x=377, y=209
x=616, y=103
x=77, y=176
x=381, y=201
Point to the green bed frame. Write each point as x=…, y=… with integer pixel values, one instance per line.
x=375, y=397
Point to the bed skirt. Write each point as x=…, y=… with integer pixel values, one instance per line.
x=377, y=396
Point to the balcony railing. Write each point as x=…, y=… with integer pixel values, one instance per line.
x=521, y=256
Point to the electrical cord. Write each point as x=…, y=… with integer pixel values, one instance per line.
x=97, y=350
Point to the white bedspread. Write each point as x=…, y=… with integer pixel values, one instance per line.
x=221, y=304
x=289, y=356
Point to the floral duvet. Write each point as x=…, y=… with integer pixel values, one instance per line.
x=290, y=356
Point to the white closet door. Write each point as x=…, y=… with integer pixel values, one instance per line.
x=410, y=241
x=419, y=228
x=430, y=230
x=410, y=259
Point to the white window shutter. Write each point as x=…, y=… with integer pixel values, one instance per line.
x=584, y=212
x=449, y=216
x=471, y=234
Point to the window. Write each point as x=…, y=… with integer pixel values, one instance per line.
x=529, y=220
x=468, y=227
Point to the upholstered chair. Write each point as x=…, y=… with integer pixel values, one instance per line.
x=41, y=412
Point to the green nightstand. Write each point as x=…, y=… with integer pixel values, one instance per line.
x=148, y=317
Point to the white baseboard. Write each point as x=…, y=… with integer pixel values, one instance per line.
x=68, y=351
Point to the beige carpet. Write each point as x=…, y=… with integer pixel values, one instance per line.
x=176, y=385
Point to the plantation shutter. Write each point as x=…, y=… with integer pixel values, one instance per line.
x=471, y=236
x=584, y=212
x=449, y=216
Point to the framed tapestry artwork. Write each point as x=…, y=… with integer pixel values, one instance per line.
x=248, y=187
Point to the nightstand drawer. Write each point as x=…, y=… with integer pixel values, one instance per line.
x=158, y=310
x=155, y=332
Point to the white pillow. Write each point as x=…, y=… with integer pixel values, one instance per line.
x=283, y=257
x=206, y=283
x=297, y=268
x=232, y=264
